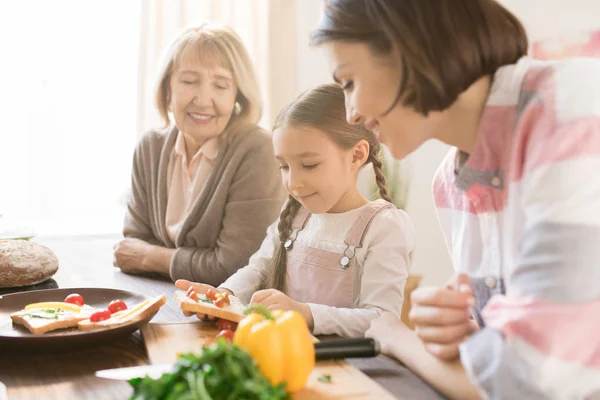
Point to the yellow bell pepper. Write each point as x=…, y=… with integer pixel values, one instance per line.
x=281, y=344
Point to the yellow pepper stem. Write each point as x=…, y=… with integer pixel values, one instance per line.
x=256, y=308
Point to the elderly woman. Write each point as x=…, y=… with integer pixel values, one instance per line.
x=206, y=187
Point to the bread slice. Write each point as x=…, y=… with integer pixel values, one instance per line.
x=233, y=312
x=132, y=314
x=39, y=321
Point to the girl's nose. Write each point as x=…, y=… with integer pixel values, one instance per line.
x=293, y=181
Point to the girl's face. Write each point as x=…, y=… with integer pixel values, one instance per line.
x=315, y=170
x=370, y=85
x=202, y=98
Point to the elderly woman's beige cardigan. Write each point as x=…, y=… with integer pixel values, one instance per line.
x=241, y=198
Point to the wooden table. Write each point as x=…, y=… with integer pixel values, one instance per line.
x=87, y=262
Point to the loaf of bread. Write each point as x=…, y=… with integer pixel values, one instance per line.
x=24, y=263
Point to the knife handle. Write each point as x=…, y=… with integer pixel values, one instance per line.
x=337, y=349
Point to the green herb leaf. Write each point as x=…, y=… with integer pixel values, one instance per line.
x=46, y=313
x=325, y=378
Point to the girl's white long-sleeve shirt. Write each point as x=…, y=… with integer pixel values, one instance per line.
x=380, y=269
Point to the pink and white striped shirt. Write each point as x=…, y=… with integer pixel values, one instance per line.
x=521, y=216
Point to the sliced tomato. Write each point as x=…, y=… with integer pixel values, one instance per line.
x=191, y=293
x=75, y=298
x=212, y=294
x=224, y=324
x=220, y=302
x=100, y=316
x=226, y=334
x=116, y=306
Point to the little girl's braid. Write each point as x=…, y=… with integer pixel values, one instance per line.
x=287, y=218
x=277, y=276
x=379, y=177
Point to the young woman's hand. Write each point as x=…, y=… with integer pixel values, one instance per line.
x=442, y=318
x=387, y=330
x=200, y=288
x=275, y=300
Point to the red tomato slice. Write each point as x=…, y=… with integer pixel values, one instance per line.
x=226, y=334
x=100, y=316
x=76, y=299
x=226, y=325
x=211, y=294
x=220, y=302
x=116, y=306
x=191, y=293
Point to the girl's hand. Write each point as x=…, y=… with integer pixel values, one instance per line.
x=442, y=318
x=275, y=300
x=200, y=288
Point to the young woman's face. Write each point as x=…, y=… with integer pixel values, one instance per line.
x=314, y=170
x=202, y=98
x=370, y=85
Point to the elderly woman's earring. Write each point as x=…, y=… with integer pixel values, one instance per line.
x=237, y=108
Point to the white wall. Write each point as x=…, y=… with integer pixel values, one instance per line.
x=542, y=18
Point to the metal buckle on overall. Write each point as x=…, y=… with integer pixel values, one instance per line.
x=345, y=261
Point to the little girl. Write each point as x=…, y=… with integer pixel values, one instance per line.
x=333, y=256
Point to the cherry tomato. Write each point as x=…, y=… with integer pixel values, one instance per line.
x=76, y=299
x=191, y=293
x=116, y=306
x=211, y=294
x=226, y=325
x=220, y=302
x=226, y=334
x=100, y=316
x=226, y=298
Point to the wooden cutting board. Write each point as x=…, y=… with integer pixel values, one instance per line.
x=165, y=340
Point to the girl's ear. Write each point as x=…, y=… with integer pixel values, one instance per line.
x=360, y=153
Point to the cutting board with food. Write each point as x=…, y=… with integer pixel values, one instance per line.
x=329, y=379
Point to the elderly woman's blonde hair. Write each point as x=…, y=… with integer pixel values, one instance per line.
x=214, y=42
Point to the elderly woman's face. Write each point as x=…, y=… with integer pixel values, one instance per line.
x=202, y=98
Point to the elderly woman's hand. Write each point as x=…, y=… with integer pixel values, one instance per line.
x=137, y=256
x=129, y=254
